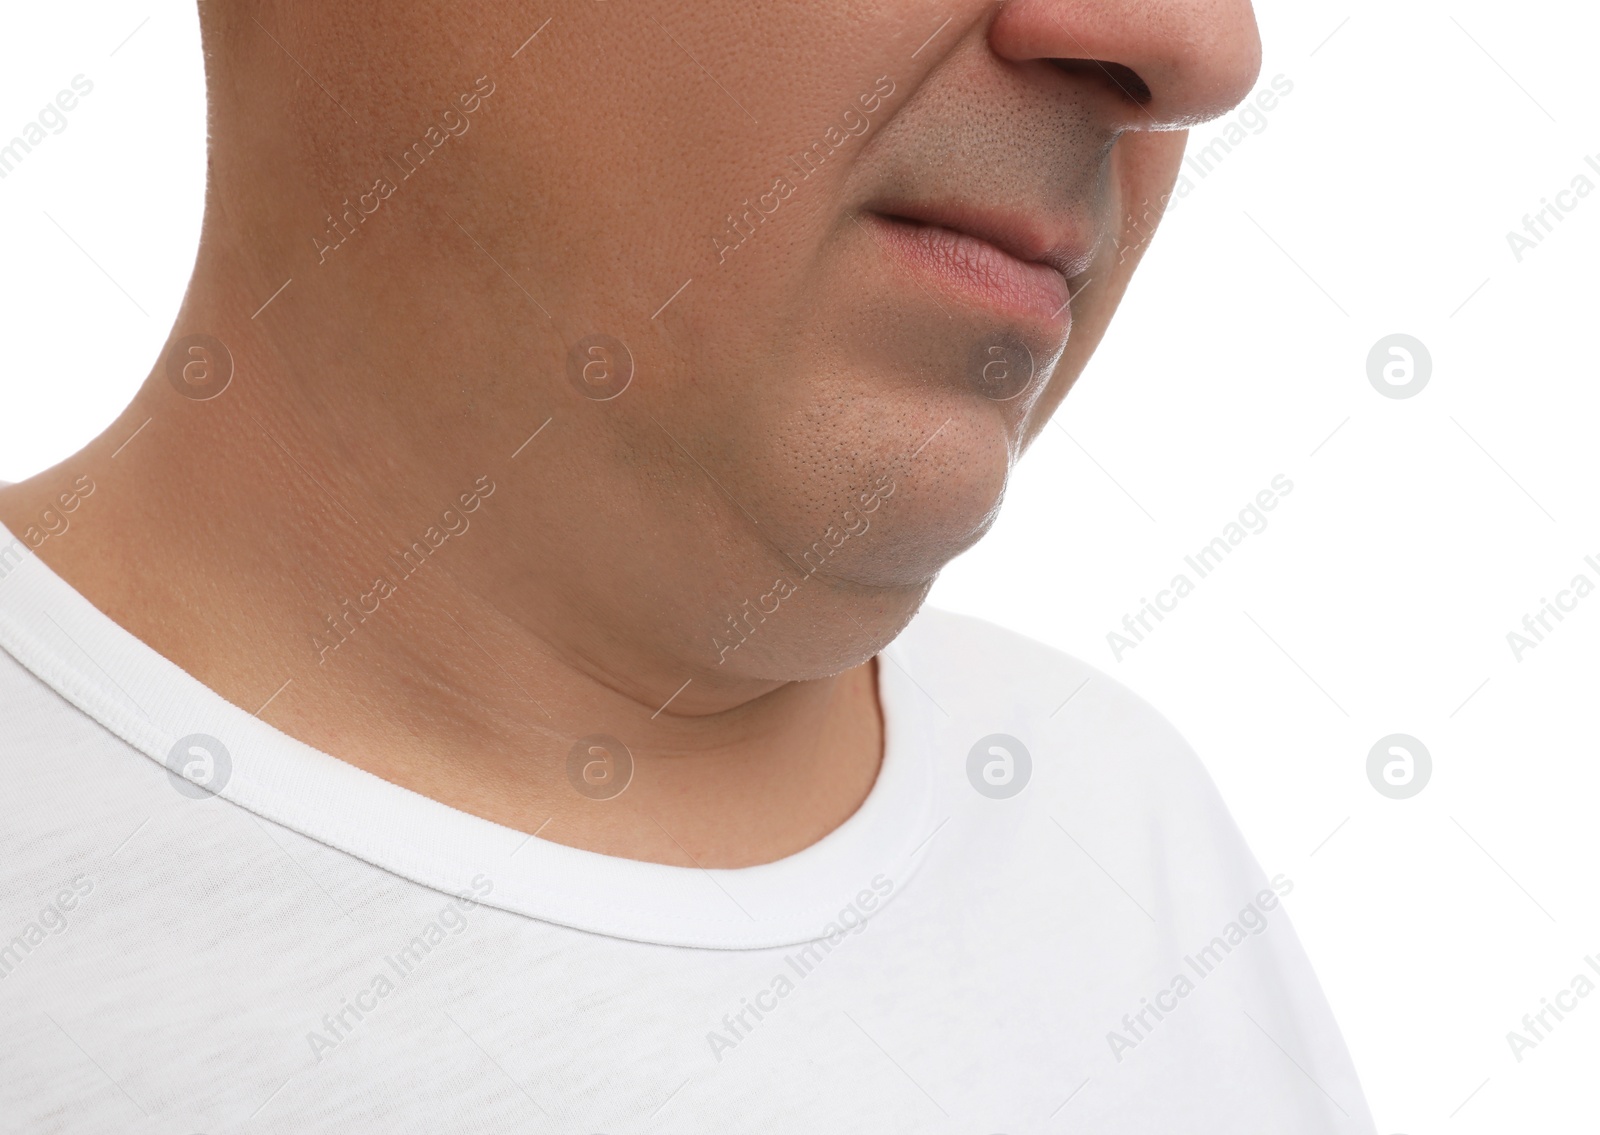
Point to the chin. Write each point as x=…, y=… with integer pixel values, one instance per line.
x=853, y=541
x=948, y=486
x=874, y=477
x=825, y=628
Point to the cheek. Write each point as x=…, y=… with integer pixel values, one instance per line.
x=634, y=169
x=1148, y=164
x=1144, y=173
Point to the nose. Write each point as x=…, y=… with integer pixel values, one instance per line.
x=1171, y=64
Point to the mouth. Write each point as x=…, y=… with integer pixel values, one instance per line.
x=1005, y=266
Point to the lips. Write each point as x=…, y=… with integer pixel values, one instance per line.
x=1005, y=266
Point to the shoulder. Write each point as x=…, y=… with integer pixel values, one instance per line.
x=1104, y=766
x=988, y=672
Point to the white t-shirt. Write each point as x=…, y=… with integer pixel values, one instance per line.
x=1041, y=919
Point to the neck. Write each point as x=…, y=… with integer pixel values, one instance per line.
x=364, y=547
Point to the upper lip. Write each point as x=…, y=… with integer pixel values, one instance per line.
x=1023, y=236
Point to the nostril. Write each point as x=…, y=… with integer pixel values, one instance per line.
x=1124, y=78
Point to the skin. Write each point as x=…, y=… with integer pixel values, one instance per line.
x=790, y=376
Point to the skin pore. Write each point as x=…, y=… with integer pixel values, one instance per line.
x=428, y=378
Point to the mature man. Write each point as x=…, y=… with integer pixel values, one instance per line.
x=478, y=684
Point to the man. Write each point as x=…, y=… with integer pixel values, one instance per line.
x=478, y=684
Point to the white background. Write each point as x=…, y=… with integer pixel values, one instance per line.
x=1377, y=601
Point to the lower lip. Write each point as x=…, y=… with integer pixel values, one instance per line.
x=974, y=272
